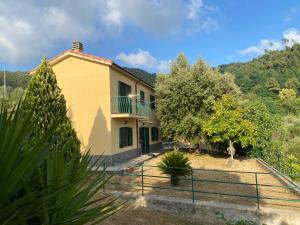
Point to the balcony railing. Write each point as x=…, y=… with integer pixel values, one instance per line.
x=126, y=105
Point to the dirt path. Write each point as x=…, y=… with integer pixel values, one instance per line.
x=143, y=216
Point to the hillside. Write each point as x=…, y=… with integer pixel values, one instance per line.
x=274, y=68
x=143, y=75
x=15, y=79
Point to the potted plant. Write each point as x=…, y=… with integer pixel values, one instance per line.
x=175, y=164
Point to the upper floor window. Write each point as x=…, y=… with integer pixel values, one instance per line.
x=124, y=89
x=152, y=102
x=142, y=97
x=125, y=137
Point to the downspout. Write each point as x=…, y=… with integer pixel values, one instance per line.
x=137, y=123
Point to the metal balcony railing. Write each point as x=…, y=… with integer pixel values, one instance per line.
x=124, y=104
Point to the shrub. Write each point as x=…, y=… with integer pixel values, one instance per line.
x=38, y=185
x=175, y=164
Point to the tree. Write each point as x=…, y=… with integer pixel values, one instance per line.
x=186, y=96
x=46, y=103
x=265, y=124
x=292, y=83
x=288, y=99
x=273, y=85
x=227, y=124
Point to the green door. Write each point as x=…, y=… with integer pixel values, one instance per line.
x=144, y=140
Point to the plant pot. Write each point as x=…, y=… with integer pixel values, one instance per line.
x=174, y=180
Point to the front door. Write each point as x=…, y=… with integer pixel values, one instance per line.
x=144, y=140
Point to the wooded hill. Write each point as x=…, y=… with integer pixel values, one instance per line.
x=269, y=73
x=15, y=79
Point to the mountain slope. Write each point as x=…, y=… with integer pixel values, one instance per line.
x=15, y=79
x=279, y=65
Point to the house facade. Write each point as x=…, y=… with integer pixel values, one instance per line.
x=112, y=109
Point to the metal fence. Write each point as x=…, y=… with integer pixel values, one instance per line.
x=200, y=181
x=283, y=163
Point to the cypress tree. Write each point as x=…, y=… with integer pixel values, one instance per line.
x=46, y=103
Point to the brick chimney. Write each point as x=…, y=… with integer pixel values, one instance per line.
x=77, y=46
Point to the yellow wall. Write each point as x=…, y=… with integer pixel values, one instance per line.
x=85, y=85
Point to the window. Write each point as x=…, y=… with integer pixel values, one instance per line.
x=154, y=134
x=124, y=89
x=142, y=97
x=152, y=102
x=125, y=137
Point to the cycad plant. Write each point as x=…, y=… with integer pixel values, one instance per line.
x=38, y=185
x=175, y=164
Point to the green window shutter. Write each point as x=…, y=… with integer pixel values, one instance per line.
x=154, y=133
x=121, y=143
x=152, y=100
x=129, y=136
x=142, y=97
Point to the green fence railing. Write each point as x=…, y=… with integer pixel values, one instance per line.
x=124, y=104
x=286, y=164
x=146, y=180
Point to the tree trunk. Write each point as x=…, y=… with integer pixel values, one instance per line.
x=174, y=180
x=231, y=152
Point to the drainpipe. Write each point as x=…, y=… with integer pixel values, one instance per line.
x=137, y=122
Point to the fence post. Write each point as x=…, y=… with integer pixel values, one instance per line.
x=257, y=193
x=104, y=169
x=192, y=179
x=143, y=179
x=291, y=169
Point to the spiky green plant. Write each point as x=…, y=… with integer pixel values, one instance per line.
x=38, y=185
x=175, y=164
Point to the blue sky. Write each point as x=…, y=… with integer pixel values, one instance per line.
x=146, y=33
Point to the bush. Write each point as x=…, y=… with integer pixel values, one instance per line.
x=38, y=185
x=175, y=164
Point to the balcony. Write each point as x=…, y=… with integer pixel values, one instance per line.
x=125, y=107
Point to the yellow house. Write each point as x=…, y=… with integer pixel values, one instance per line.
x=112, y=109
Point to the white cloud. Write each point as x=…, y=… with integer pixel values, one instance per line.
x=291, y=37
x=30, y=29
x=145, y=60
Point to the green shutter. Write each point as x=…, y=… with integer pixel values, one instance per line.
x=121, y=137
x=129, y=136
x=142, y=97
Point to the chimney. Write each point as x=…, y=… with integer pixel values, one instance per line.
x=77, y=46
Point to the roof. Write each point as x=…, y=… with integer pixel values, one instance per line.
x=141, y=75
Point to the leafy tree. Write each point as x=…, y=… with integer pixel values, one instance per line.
x=292, y=83
x=186, y=96
x=228, y=125
x=288, y=99
x=46, y=102
x=273, y=85
x=265, y=124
